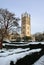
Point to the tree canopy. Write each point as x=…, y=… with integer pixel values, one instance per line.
x=8, y=21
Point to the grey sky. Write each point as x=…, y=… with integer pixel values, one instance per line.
x=34, y=7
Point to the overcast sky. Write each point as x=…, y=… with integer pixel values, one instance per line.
x=34, y=7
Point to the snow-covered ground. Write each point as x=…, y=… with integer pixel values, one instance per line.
x=40, y=61
x=22, y=43
x=14, y=55
x=12, y=51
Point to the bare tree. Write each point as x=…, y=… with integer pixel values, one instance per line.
x=7, y=21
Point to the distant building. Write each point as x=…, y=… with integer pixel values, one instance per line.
x=13, y=37
x=33, y=37
x=25, y=25
x=24, y=30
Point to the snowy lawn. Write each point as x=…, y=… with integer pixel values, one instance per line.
x=14, y=55
x=22, y=44
x=40, y=61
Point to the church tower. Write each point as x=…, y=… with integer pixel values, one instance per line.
x=25, y=25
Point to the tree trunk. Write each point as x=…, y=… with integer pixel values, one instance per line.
x=1, y=41
x=0, y=45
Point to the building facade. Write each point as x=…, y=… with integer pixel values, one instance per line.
x=25, y=25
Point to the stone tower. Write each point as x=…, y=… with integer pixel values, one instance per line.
x=25, y=25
